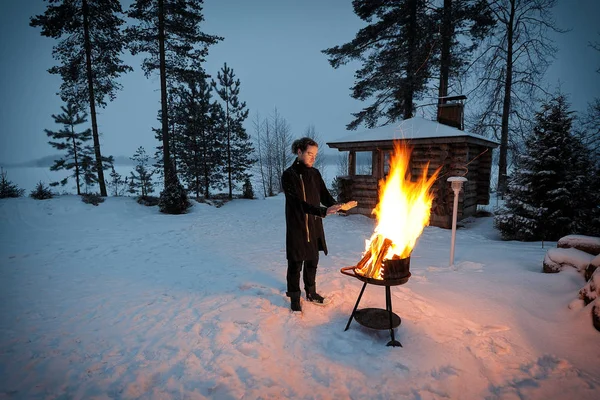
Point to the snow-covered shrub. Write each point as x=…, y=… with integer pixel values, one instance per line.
x=7, y=188
x=92, y=198
x=41, y=192
x=149, y=201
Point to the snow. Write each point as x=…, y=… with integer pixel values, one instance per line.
x=411, y=128
x=120, y=301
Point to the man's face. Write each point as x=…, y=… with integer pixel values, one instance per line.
x=308, y=156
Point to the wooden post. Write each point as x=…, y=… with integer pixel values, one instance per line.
x=375, y=164
x=352, y=163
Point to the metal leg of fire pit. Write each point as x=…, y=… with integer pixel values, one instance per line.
x=356, y=306
x=388, y=306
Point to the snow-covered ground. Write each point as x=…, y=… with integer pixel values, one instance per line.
x=120, y=301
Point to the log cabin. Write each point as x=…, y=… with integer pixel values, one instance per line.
x=443, y=144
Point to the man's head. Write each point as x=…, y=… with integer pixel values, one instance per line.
x=306, y=149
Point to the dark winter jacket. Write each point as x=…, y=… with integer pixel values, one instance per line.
x=305, y=191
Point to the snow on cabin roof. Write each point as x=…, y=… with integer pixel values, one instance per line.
x=412, y=128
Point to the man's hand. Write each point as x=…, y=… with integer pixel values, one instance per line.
x=333, y=209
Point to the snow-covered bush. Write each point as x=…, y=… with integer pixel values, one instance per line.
x=92, y=198
x=173, y=199
x=149, y=201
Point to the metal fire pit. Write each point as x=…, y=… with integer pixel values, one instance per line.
x=395, y=272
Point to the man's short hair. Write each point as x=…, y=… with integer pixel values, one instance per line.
x=302, y=144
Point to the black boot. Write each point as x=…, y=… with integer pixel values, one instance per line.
x=314, y=297
x=295, y=301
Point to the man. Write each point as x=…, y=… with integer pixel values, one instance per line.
x=305, y=191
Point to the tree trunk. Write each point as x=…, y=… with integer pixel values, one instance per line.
x=76, y=162
x=502, y=163
x=447, y=32
x=163, y=94
x=90, y=77
x=410, y=67
x=229, y=147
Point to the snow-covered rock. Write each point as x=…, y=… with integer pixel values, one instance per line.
x=591, y=290
x=556, y=260
x=596, y=315
x=589, y=244
x=594, y=264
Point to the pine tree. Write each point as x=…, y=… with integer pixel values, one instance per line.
x=395, y=49
x=169, y=31
x=549, y=192
x=469, y=20
x=141, y=179
x=7, y=188
x=173, y=199
x=238, y=146
x=89, y=53
x=117, y=183
x=88, y=170
x=201, y=144
x=71, y=141
x=247, y=190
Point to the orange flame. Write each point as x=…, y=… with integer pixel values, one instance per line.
x=402, y=212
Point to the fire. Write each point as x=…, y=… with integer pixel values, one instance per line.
x=402, y=213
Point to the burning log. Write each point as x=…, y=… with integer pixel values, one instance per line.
x=364, y=260
x=372, y=269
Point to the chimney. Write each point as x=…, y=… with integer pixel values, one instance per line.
x=451, y=111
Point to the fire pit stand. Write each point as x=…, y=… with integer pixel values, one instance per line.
x=376, y=318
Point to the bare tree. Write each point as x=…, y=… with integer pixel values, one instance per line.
x=589, y=130
x=590, y=123
x=342, y=164
x=282, y=137
x=512, y=63
x=596, y=46
x=261, y=147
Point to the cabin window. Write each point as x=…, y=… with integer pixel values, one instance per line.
x=364, y=163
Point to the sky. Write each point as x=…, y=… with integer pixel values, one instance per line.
x=121, y=301
x=274, y=48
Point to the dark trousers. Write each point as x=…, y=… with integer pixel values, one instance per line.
x=309, y=275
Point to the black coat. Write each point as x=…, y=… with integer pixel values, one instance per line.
x=304, y=191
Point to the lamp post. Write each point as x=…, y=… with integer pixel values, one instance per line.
x=457, y=183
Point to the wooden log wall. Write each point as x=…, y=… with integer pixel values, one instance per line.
x=453, y=159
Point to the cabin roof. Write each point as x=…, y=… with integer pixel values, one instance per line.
x=412, y=129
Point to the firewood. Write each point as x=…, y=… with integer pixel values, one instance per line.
x=364, y=260
x=378, y=260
